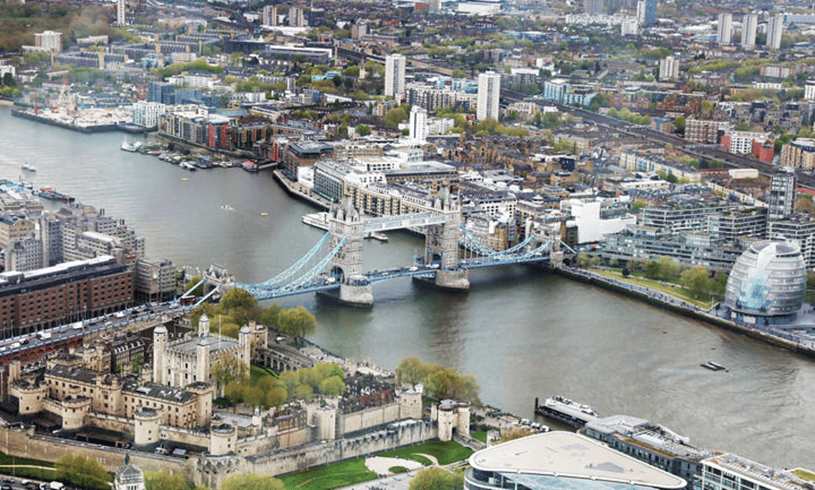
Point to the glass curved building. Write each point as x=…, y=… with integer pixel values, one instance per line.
x=768, y=279
x=562, y=461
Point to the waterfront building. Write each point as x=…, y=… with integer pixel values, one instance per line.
x=681, y=214
x=154, y=280
x=48, y=41
x=561, y=459
x=146, y=114
x=650, y=443
x=799, y=229
x=783, y=193
x=749, y=25
x=395, y=64
x=733, y=224
x=775, y=28
x=489, y=96
x=799, y=154
x=768, y=279
x=731, y=472
x=63, y=293
x=689, y=248
x=725, y=29
x=300, y=154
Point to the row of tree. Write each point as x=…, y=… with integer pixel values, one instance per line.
x=159, y=480
x=439, y=382
x=302, y=384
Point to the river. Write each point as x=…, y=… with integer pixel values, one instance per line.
x=521, y=333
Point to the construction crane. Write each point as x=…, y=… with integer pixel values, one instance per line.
x=66, y=101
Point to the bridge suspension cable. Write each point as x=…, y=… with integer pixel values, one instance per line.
x=293, y=269
x=474, y=244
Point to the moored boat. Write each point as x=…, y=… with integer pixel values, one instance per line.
x=713, y=366
x=28, y=167
x=566, y=410
x=317, y=220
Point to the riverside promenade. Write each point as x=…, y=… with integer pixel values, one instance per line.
x=797, y=336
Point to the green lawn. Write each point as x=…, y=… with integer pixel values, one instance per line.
x=10, y=465
x=257, y=372
x=328, y=477
x=804, y=475
x=444, y=452
x=676, y=291
x=481, y=435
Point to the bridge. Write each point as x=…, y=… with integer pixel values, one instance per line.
x=333, y=266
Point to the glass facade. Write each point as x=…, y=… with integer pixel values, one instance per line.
x=769, y=279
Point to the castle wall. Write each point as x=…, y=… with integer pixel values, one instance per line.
x=184, y=436
x=365, y=419
x=109, y=422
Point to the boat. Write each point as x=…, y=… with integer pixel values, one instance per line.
x=377, y=236
x=184, y=179
x=131, y=148
x=227, y=207
x=188, y=166
x=28, y=167
x=264, y=214
x=317, y=220
x=566, y=410
x=50, y=193
x=713, y=366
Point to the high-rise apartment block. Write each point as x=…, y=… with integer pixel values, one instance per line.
x=593, y=7
x=647, y=12
x=48, y=41
x=775, y=27
x=783, y=192
x=749, y=25
x=489, y=96
x=121, y=9
x=395, y=75
x=668, y=68
x=725, y=29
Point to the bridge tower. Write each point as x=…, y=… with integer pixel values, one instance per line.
x=346, y=267
x=442, y=244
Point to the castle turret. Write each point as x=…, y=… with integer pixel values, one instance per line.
x=245, y=347
x=202, y=360
x=159, y=355
x=223, y=439
x=203, y=325
x=148, y=427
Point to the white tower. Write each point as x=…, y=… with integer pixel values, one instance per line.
x=725, y=29
x=159, y=355
x=395, y=75
x=774, y=30
x=121, y=7
x=489, y=95
x=749, y=24
x=418, y=124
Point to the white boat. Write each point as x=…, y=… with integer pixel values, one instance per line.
x=317, y=220
x=377, y=236
x=227, y=207
x=28, y=167
x=128, y=147
x=566, y=410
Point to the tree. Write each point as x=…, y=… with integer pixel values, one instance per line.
x=303, y=392
x=229, y=369
x=516, y=433
x=363, y=130
x=81, y=471
x=583, y=259
x=238, y=298
x=638, y=204
x=332, y=387
x=436, y=478
x=234, y=391
x=276, y=396
x=411, y=371
x=297, y=323
x=696, y=280
x=199, y=291
x=679, y=124
x=270, y=314
x=251, y=481
x=253, y=396
x=668, y=268
x=160, y=480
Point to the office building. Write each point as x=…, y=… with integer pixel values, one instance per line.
x=669, y=68
x=769, y=279
x=121, y=8
x=749, y=25
x=629, y=27
x=647, y=13
x=489, y=96
x=593, y=7
x=563, y=460
x=775, y=27
x=395, y=75
x=64, y=293
x=783, y=192
x=799, y=154
x=725, y=29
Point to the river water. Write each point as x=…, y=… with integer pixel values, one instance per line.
x=521, y=333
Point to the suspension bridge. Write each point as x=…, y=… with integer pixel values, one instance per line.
x=333, y=266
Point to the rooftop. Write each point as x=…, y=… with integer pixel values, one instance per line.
x=566, y=455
